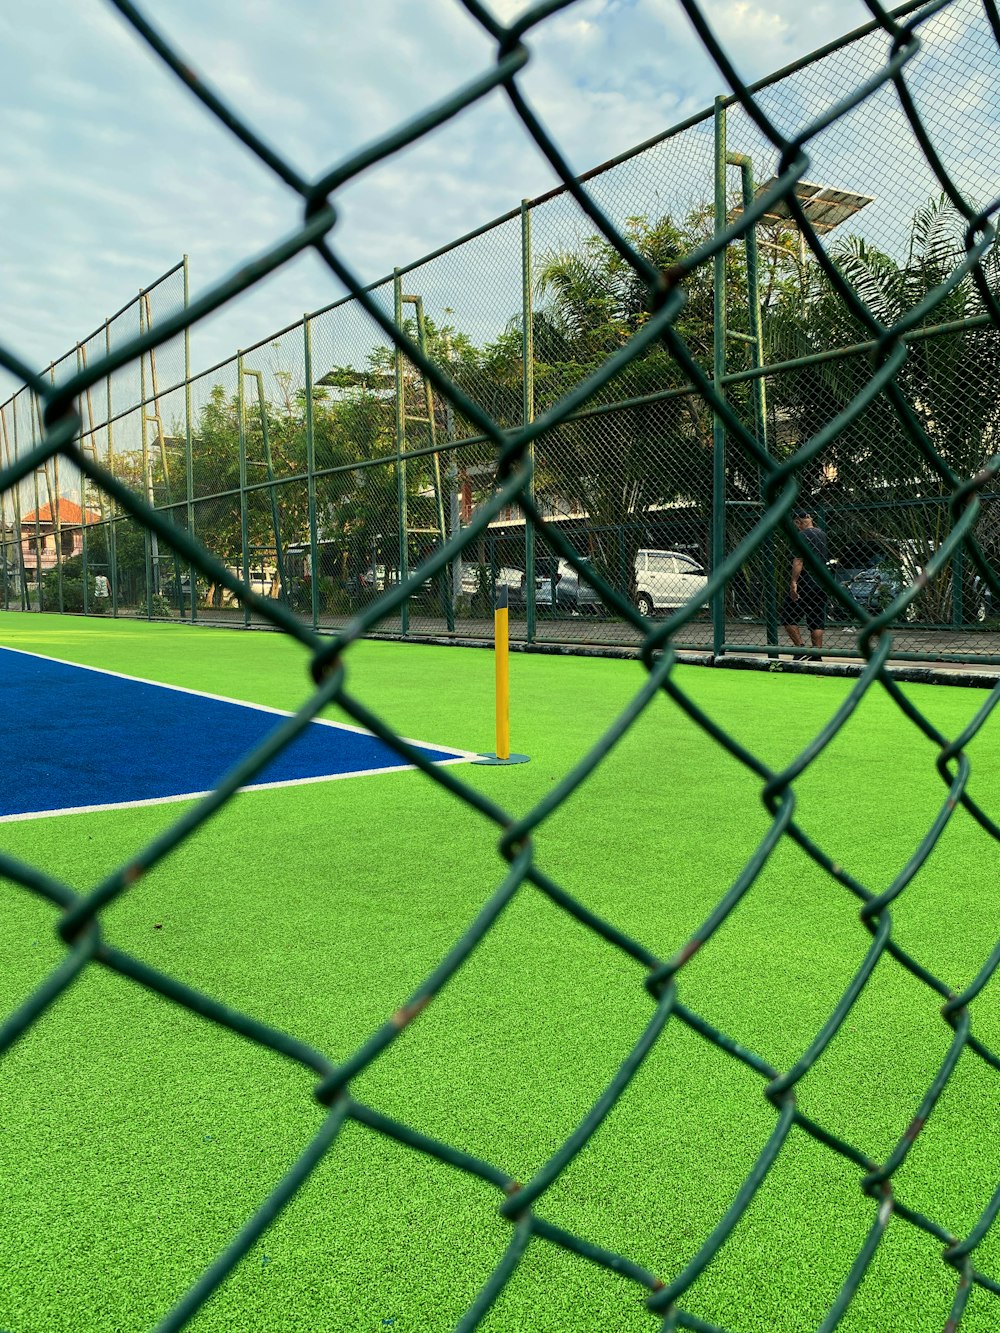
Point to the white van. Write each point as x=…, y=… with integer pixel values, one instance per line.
x=665, y=580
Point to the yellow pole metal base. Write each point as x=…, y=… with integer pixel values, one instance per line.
x=501, y=640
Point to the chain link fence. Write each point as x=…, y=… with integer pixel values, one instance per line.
x=612, y=401
x=322, y=465
x=321, y=497
x=64, y=544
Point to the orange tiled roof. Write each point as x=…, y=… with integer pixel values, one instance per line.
x=69, y=513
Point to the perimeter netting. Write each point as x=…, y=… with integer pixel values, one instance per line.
x=773, y=484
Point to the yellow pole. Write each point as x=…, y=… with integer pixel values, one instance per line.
x=500, y=637
x=501, y=656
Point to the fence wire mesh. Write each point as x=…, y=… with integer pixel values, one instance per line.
x=569, y=396
x=523, y=311
x=57, y=528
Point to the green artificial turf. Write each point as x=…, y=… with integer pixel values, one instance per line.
x=135, y=1137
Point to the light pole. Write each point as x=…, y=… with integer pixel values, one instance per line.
x=825, y=207
x=454, y=512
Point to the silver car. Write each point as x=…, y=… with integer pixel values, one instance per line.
x=665, y=580
x=574, y=596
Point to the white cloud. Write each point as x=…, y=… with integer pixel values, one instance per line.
x=109, y=169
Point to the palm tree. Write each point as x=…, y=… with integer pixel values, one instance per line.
x=621, y=466
x=889, y=493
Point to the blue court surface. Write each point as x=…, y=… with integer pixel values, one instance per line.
x=74, y=738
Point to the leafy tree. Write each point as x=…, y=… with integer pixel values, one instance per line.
x=887, y=491
x=71, y=579
x=619, y=466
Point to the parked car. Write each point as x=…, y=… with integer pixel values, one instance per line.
x=372, y=579
x=502, y=576
x=875, y=586
x=573, y=595
x=173, y=589
x=665, y=580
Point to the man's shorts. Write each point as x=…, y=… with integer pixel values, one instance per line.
x=810, y=607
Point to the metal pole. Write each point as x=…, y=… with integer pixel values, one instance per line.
x=37, y=431
x=38, y=546
x=719, y=369
x=27, y=595
x=157, y=419
x=112, y=533
x=501, y=653
x=429, y=408
x=244, y=520
x=528, y=407
x=150, y=541
x=745, y=165
x=16, y=497
x=958, y=587
x=279, y=558
x=311, y=472
x=501, y=650
x=91, y=449
x=83, y=487
x=6, y=529
x=454, y=521
x=454, y=511
x=56, y=507
x=404, y=563
x=55, y=503
x=189, y=448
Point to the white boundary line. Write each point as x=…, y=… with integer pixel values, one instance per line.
x=457, y=756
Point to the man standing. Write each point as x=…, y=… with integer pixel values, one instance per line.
x=806, y=599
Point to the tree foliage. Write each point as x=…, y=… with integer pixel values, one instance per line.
x=882, y=486
x=644, y=443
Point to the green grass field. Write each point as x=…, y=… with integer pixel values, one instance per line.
x=135, y=1138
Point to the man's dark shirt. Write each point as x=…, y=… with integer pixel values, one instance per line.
x=815, y=539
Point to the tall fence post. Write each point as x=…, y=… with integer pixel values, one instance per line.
x=150, y=540
x=958, y=588
x=6, y=529
x=39, y=596
x=112, y=525
x=311, y=473
x=244, y=517
x=454, y=504
x=756, y=341
x=528, y=405
x=719, y=370
x=55, y=504
x=189, y=448
x=83, y=494
x=16, y=500
x=404, y=562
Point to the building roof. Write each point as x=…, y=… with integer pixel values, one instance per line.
x=69, y=513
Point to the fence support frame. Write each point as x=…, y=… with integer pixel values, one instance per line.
x=244, y=520
x=401, y=506
x=718, y=552
x=311, y=472
x=189, y=445
x=112, y=529
x=528, y=406
x=756, y=343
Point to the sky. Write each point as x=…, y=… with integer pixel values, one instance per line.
x=110, y=171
